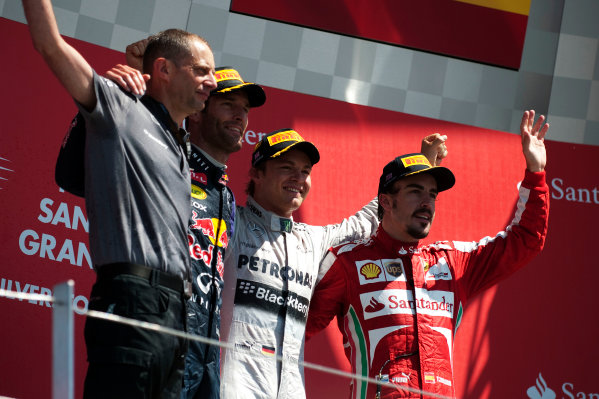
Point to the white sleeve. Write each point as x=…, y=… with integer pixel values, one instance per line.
x=361, y=225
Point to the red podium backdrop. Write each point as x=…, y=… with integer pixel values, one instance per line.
x=539, y=324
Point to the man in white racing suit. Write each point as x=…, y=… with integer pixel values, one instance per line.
x=271, y=266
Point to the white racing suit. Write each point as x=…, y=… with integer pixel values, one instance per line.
x=271, y=266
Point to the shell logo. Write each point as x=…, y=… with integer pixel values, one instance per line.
x=370, y=271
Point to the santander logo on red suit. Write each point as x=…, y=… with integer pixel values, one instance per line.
x=400, y=300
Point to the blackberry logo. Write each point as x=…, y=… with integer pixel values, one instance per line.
x=258, y=295
x=246, y=287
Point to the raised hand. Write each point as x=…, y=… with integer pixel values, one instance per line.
x=434, y=149
x=128, y=78
x=533, y=141
x=134, y=53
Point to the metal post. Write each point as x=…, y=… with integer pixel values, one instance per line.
x=63, y=386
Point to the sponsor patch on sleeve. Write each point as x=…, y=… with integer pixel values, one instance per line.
x=439, y=271
x=429, y=377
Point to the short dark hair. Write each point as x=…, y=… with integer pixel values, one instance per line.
x=172, y=44
x=251, y=187
x=390, y=189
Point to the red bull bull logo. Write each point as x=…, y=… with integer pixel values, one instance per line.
x=205, y=255
x=210, y=227
x=203, y=251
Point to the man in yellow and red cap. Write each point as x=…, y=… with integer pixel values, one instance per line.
x=216, y=132
x=398, y=302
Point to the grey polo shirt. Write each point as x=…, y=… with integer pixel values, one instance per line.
x=137, y=183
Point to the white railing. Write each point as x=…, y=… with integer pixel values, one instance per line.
x=63, y=341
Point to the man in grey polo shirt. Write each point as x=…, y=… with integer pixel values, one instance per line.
x=137, y=198
x=215, y=133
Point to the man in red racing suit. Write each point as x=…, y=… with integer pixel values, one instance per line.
x=399, y=303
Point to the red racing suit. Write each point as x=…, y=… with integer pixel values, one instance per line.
x=398, y=305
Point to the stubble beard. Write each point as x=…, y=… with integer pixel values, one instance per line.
x=417, y=233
